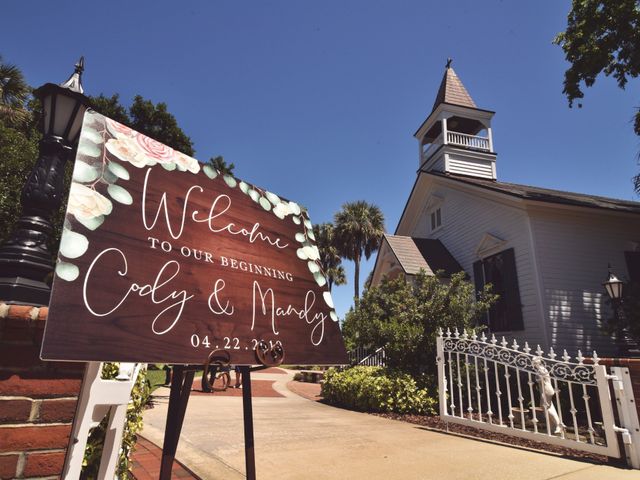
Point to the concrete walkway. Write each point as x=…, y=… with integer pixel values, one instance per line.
x=298, y=439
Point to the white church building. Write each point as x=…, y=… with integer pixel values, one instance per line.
x=544, y=251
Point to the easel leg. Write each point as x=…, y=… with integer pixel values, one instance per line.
x=249, y=454
x=180, y=390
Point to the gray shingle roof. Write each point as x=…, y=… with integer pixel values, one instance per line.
x=416, y=253
x=546, y=194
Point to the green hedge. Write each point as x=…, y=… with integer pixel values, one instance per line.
x=376, y=389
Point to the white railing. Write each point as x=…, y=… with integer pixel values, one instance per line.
x=361, y=356
x=426, y=153
x=468, y=141
x=376, y=359
x=500, y=387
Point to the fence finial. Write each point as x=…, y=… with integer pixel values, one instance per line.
x=580, y=357
x=596, y=359
x=565, y=356
x=526, y=347
x=494, y=340
x=456, y=333
x=552, y=353
x=483, y=337
x=503, y=342
x=515, y=345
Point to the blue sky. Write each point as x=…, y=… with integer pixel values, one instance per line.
x=318, y=101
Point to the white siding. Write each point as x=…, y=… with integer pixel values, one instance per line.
x=466, y=165
x=465, y=220
x=573, y=250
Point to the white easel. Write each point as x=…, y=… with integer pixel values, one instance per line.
x=97, y=399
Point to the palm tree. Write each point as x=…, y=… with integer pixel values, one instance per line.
x=13, y=94
x=221, y=165
x=358, y=231
x=329, y=258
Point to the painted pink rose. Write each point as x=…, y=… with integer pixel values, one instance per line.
x=156, y=151
x=119, y=130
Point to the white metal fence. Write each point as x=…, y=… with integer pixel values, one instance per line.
x=516, y=391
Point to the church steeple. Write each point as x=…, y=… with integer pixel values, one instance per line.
x=452, y=90
x=456, y=137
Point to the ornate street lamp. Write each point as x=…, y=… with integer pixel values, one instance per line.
x=613, y=286
x=25, y=259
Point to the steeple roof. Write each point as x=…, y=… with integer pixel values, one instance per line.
x=452, y=90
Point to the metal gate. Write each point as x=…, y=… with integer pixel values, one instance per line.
x=516, y=391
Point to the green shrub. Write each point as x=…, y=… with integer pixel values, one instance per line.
x=376, y=389
x=93, y=452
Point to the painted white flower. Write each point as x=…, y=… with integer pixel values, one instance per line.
x=85, y=203
x=281, y=210
x=127, y=150
x=185, y=162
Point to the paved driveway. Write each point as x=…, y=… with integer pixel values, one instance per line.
x=297, y=438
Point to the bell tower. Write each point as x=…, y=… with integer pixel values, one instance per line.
x=456, y=137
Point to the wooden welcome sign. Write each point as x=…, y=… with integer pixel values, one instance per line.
x=163, y=259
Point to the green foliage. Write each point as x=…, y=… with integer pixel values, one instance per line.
x=14, y=92
x=358, y=231
x=152, y=120
x=404, y=317
x=221, y=165
x=139, y=399
x=330, y=260
x=602, y=36
x=376, y=389
x=18, y=152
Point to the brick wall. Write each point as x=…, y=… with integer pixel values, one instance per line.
x=37, y=399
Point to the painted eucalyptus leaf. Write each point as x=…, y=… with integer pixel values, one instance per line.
x=327, y=299
x=93, y=135
x=91, y=223
x=229, y=180
x=170, y=166
x=333, y=315
x=67, y=271
x=320, y=280
x=310, y=253
x=295, y=208
x=89, y=149
x=255, y=195
x=313, y=266
x=308, y=224
x=210, y=172
x=311, y=235
x=118, y=170
x=300, y=237
x=244, y=187
x=119, y=194
x=73, y=244
x=109, y=177
x=272, y=197
x=264, y=203
x=84, y=173
x=296, y=220
x=301, y=254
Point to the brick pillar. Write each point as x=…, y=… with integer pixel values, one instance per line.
x=633, y=364
x=37, y=399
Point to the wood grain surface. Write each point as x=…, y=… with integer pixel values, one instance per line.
x=134, y=301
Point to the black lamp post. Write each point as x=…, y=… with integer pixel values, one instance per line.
x=26, y=261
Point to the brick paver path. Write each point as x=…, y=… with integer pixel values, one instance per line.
x=146, y=462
